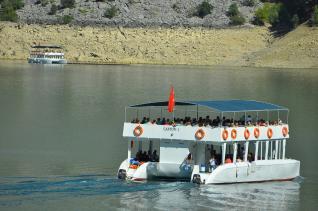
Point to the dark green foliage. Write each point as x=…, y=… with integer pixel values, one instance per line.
x=237, y=20
x=8, y=14
x=233, y=10
x=15, y=4
x=203, y=9
x=53, y=9
x=66, y=19
x=67, y=3
x=287, y=13
x=315, y=16
x=8, y=8
x=111, y=12
x=249, y=3
x=269, y=13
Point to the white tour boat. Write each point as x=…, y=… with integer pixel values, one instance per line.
x=208, y=142
x=47, y=54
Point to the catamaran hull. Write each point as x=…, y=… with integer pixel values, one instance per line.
x=155, y=171
x=257, y=171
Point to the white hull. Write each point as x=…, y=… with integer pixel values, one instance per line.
x=155, y=170
x=46, y=61
x=257, y=171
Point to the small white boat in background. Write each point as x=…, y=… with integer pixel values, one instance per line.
x=47, y=54
x=234, y=141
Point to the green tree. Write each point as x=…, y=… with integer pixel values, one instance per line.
x=8, y=11
x=233, y=10
x=66, y=19
x=111, y=12
x=237, y=20
x=203, y=9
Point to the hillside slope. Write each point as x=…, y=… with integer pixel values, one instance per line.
x=197, y=46
x=297, y=49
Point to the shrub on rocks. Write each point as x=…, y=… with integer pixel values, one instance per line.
x=53, y=9
x=111, y=12
x=66, y=19
x=233, y=10
x=67, y=3
x=203, y=9
x=236, y=18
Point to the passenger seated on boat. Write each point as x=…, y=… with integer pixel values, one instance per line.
x=154, y=157
x=139, y=155
x=250, y=157
x=228, y=159
x=188, y=159
x=134, y=161
x=144, y=120
x=213, y=163
x=238, y=159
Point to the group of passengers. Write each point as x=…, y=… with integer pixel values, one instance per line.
x=142, y=157
x=207, y=122
x=216, y=159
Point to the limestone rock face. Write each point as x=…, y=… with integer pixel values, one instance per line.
x=135, y=13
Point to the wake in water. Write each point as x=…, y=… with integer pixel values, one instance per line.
x=109, y=192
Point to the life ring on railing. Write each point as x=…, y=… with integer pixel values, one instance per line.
x=133, y=166
x=269, y=133
x=138, y=131
x=199, y=134
x=285, y=131
x=225, y=134
x=256, y=132
x=246, y=134
x=233, y=134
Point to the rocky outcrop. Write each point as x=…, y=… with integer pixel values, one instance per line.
x=135, y=13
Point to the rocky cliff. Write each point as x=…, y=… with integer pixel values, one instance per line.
x=135, y=13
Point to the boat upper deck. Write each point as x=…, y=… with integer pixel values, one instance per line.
x=224, y=120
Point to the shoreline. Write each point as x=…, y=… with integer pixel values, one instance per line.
x=235, y=47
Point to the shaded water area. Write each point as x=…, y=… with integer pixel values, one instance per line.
x=61, y=135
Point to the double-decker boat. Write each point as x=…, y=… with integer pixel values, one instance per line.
x=208, y=142
x=47, y=54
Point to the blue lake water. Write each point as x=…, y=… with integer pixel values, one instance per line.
x=61, y=136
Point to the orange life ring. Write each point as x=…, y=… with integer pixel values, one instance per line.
x=138, y=131
x=269, y=133
x=233, y=134
x=132, y=166
x=246, y=134
x=225, y=134
x=256, y=132
x=199, y=134
x=285, y=131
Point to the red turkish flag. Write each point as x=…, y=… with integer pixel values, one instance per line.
x=172, y=101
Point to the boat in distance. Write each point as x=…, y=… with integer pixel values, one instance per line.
x=208, y=142
x=47, y=54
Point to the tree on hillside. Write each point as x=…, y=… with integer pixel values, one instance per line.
x=236, y=18
x=203, y=9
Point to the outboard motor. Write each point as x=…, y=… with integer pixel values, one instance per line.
x=122, y=174
x=197, y=179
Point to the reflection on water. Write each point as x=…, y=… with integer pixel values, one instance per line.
x=22, y=192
